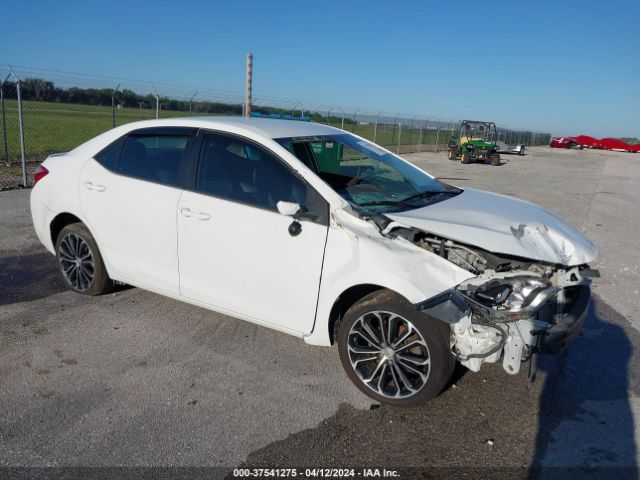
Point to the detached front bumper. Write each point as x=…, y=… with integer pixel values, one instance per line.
x=567, y=326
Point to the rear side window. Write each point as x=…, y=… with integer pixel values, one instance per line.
x=157, y=158
x=108, y=157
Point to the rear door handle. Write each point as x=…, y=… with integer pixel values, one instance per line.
x=94, y=187
x=187, y=212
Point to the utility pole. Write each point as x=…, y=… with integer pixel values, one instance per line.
x=248, y=88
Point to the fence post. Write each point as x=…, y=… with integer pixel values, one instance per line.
x=420, y=137
x=399, y=135
x=155, y=94
x=411, y=130
x=342, y=127
x=329, y=114
x=4, y=121
x=353, y=128
x=21, y=125
x=435, y=149
x=191, y=101
x=21, y=120
x=113, y=106
x=375, y=128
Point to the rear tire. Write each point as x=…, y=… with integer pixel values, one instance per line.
x=495, y=159
x=80, y=262
x=394, y=353
x=465, y=158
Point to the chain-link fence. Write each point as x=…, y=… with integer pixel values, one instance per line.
x=44, y=111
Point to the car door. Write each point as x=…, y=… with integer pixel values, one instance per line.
x=129, y=195
x=236, y=252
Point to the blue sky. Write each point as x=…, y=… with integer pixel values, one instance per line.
x=568, y=67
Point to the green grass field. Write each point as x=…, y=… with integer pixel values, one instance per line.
x=57, y=127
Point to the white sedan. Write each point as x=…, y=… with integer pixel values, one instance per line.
x=321, y=234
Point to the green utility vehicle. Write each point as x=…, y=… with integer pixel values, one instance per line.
x=476, y=141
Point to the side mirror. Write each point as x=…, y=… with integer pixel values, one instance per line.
x=288, y=209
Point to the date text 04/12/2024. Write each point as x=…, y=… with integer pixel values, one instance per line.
x=314, y=473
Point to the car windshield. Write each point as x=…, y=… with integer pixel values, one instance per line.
x=371, y=179
x=478, y=131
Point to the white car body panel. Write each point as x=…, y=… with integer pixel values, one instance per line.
x=503, y=224
x=59, y=193
x=42, y=218
x=243, y=259
x=134, y=222
x=358, y=254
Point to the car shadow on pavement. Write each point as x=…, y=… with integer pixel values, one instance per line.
x=586, y=424
x=29, y=276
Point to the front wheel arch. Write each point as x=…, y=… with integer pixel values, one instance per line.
x=345, y=301
x=431, y=337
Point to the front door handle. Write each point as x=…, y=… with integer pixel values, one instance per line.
x=94, y=187
x=187, y=212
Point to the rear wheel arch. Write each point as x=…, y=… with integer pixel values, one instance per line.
x=59, y=222
x=62, y=220
x=80, y=261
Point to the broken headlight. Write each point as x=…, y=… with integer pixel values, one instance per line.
x=511, y=298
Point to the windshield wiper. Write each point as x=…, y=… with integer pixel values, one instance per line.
x=404, y=201
x=381, y=202
x=428, y=194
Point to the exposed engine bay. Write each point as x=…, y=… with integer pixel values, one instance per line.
x=510, y=309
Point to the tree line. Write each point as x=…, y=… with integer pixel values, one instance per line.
x=42, y=90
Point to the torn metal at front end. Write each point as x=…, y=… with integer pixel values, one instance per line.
x=510, y=315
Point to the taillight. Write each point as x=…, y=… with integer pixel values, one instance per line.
x=39, y=173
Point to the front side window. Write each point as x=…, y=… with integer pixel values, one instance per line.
x=371, y=179
x=237, y=170
x=153, y=157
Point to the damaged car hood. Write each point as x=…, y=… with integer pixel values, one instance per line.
x=502, y=224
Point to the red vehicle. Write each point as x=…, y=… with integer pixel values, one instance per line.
x=585, y=141
x=565, y=142
x=619, y=145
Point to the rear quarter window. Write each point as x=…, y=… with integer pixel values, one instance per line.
x=108, y=157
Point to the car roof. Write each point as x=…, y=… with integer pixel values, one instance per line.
x=266, y=127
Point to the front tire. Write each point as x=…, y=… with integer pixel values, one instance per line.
x=80, y=262
x=466, y=158
x=452, y=154
x=394, y=353
x=495, y=159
